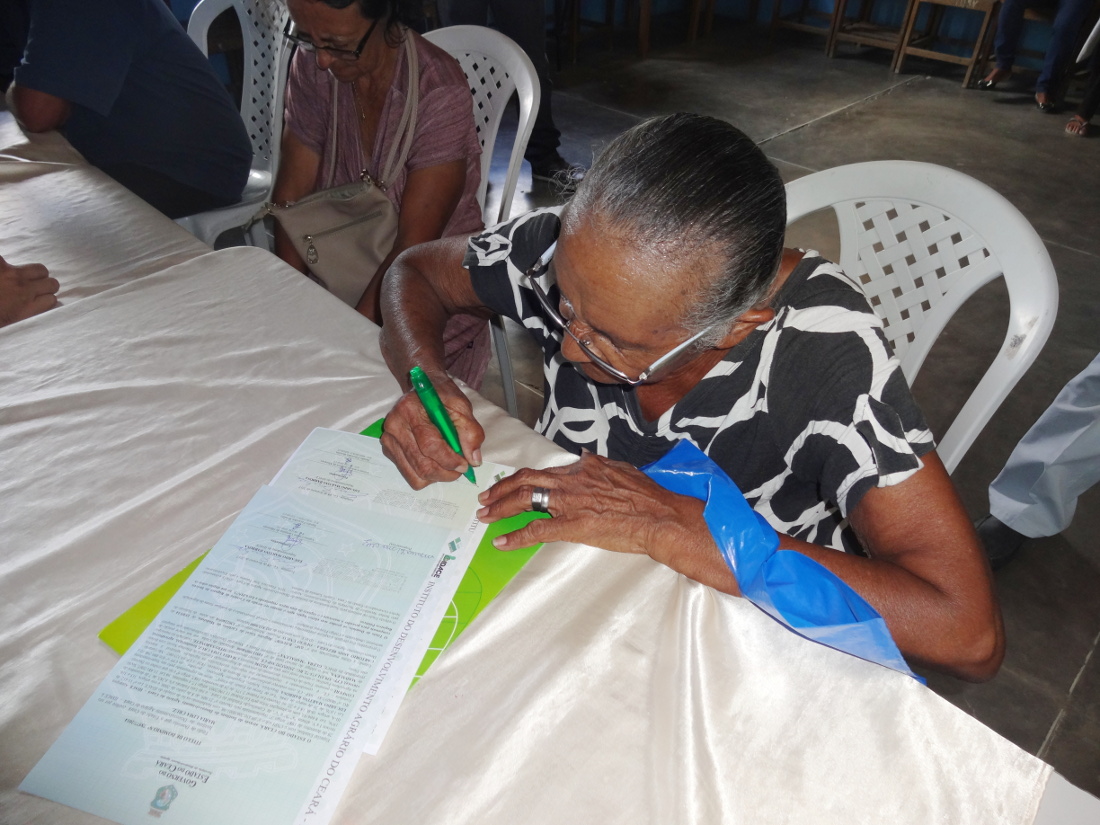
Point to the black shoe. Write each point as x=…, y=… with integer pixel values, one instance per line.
x=560, y=171
x=1001, y=542
x=990, y=81
x=1048, y=105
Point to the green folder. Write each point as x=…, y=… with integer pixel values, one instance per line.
x=489, y=571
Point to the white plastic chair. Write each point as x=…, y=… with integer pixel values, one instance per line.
x=921, y=239
x=266, y=59
x=495, y=68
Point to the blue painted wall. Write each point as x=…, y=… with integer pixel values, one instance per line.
x=960, y=24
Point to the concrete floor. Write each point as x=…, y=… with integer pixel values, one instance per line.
x=810, y=113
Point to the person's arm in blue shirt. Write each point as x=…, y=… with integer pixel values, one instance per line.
x=77, y=54
x=37, y=111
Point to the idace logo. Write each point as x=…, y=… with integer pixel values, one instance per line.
x=439, y=567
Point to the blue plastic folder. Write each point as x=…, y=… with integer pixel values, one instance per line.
x=788, y=586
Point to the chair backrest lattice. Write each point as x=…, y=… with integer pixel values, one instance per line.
x=911, y=257
x=262, y=23
x=491, y=87
x=921, y=240
x=495, y=68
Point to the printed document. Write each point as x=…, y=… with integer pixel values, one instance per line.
x=250, y=696
x=337, y=465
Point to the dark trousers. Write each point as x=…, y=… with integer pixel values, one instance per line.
x=1067, y=25
x=1091, y=101
x=525, y=22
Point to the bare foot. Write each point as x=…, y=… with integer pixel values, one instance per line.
x=1078, y=127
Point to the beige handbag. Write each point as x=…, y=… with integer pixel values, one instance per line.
x=344, y=233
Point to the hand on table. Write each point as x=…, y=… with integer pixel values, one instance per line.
x=25, y=291
x=414, y=444
x=603, y=503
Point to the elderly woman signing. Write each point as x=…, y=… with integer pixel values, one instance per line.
x=667, y=309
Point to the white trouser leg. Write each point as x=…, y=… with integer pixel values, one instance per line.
x=1057, y=460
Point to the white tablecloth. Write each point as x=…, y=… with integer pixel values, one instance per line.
x=90, y=232
x=134, y=424
x=138, y=418
x=45, y=150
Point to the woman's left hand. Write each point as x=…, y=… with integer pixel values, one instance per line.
x=599, y=502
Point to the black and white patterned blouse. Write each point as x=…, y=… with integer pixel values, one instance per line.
x=806, y=414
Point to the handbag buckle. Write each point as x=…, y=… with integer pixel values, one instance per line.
x=365, y=176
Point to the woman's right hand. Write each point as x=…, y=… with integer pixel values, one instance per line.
x=416, y=446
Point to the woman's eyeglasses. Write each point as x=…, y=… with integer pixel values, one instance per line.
x=540, y=268
x=340, y=54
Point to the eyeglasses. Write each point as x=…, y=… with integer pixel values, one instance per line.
x=340, y=54
x=538, y=269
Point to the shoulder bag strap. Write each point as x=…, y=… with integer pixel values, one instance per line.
x=330, y=174
x=407, y=126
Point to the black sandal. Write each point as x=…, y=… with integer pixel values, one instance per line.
x=989, y=82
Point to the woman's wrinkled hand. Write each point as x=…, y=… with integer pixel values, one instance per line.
x=418, y=449
x=599, y=502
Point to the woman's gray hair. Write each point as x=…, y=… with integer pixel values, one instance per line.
x=696, y=185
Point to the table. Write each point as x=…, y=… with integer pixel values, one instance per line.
x=90, y=232
x=137, y=420
x=601, y=687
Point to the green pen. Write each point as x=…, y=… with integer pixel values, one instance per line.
x=437, y=414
